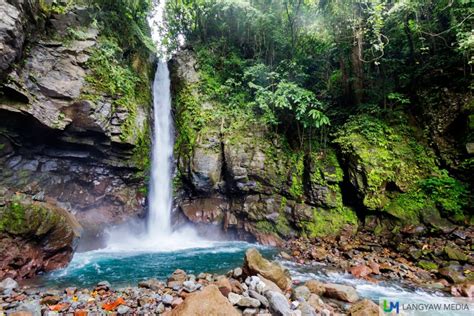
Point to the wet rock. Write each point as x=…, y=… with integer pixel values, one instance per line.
x=8, y=284
x=123, y=309
x=57, y=229
x=248, y=302
x=453, y=273
x=306, y=309
x=263, y=300
x=315, y=287
x=250, y=311
x=177, y=278
x=152, y=284
x=167, y=299
x=455, y=253
x=225, y=286
x=237, y=272
x=301, y=292
x=50, y=300
x=206, y=302
x=365, y=308
x=285, y=256
x=278, y=303
x=103, y=285
x=177, y=301
x=190, y=286
x=361, y=271
x=234, y=298
x=255, y=264
x=465, y=289
x=33, y=307
x=341, y=292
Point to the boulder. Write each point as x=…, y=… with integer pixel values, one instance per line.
x=35, y=236
x=209, y=301
x=255, y=264
x=455, y=253
x=361, y=271
x=301, y=292
x=341, y=292
x=8, y=284
x=152, y=284
x=453, y=273
x=278, y=303
x=315, y=287
x=365, y=308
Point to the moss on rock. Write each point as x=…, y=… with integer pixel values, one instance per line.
x=329, y=222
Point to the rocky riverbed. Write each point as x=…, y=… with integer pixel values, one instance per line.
x=442, y=263
x=259, y=287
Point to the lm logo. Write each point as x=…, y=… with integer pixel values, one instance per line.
x=389, y=306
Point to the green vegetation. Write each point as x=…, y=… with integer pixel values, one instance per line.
x=449, y=195
x=329, y=222
x=388, y=153
x=20, y=217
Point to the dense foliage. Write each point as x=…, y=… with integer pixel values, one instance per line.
x=343, y=73
x=302, y=61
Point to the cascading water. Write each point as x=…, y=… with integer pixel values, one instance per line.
x=158, y=235
x=160, y=196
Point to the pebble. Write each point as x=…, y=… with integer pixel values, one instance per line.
x=167, y=299
x=123, y=309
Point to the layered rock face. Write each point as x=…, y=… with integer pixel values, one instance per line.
x=57, y=143
x=234, y=173
x=245, y=179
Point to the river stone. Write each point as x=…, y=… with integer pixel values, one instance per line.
x=152, y=284
x=315, y=287
x=255, y=264
x=160, y=308
x=341, y=292
x=189, y=286
x=301, y=292
x=8, y=284
x=237, y=272
x=455, y=253
x=259, y=297
x=34, y=307
x=250, y=312
x=167, y=299
x=307, y=310
x=278, y=303
x=123, y=309
x=365, y=308
x=105, y=284
x=248, y=302
x=234, y=298
x=209, y=301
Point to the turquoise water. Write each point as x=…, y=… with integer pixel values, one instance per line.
x=125, y=268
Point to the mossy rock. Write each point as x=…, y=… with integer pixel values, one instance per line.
x=383, y=157
x=23, y=217
x=455, y=253
x=427, y=265
x=329, y=222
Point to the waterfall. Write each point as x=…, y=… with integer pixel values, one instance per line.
x=160, y=194
x=158, y=235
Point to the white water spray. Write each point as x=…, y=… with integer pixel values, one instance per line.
x=159, y=235
x=160, y=196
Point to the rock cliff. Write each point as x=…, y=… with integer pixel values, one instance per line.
x=62, y=137
x=236, y=174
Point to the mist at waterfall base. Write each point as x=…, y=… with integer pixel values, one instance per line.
x=157, y=233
